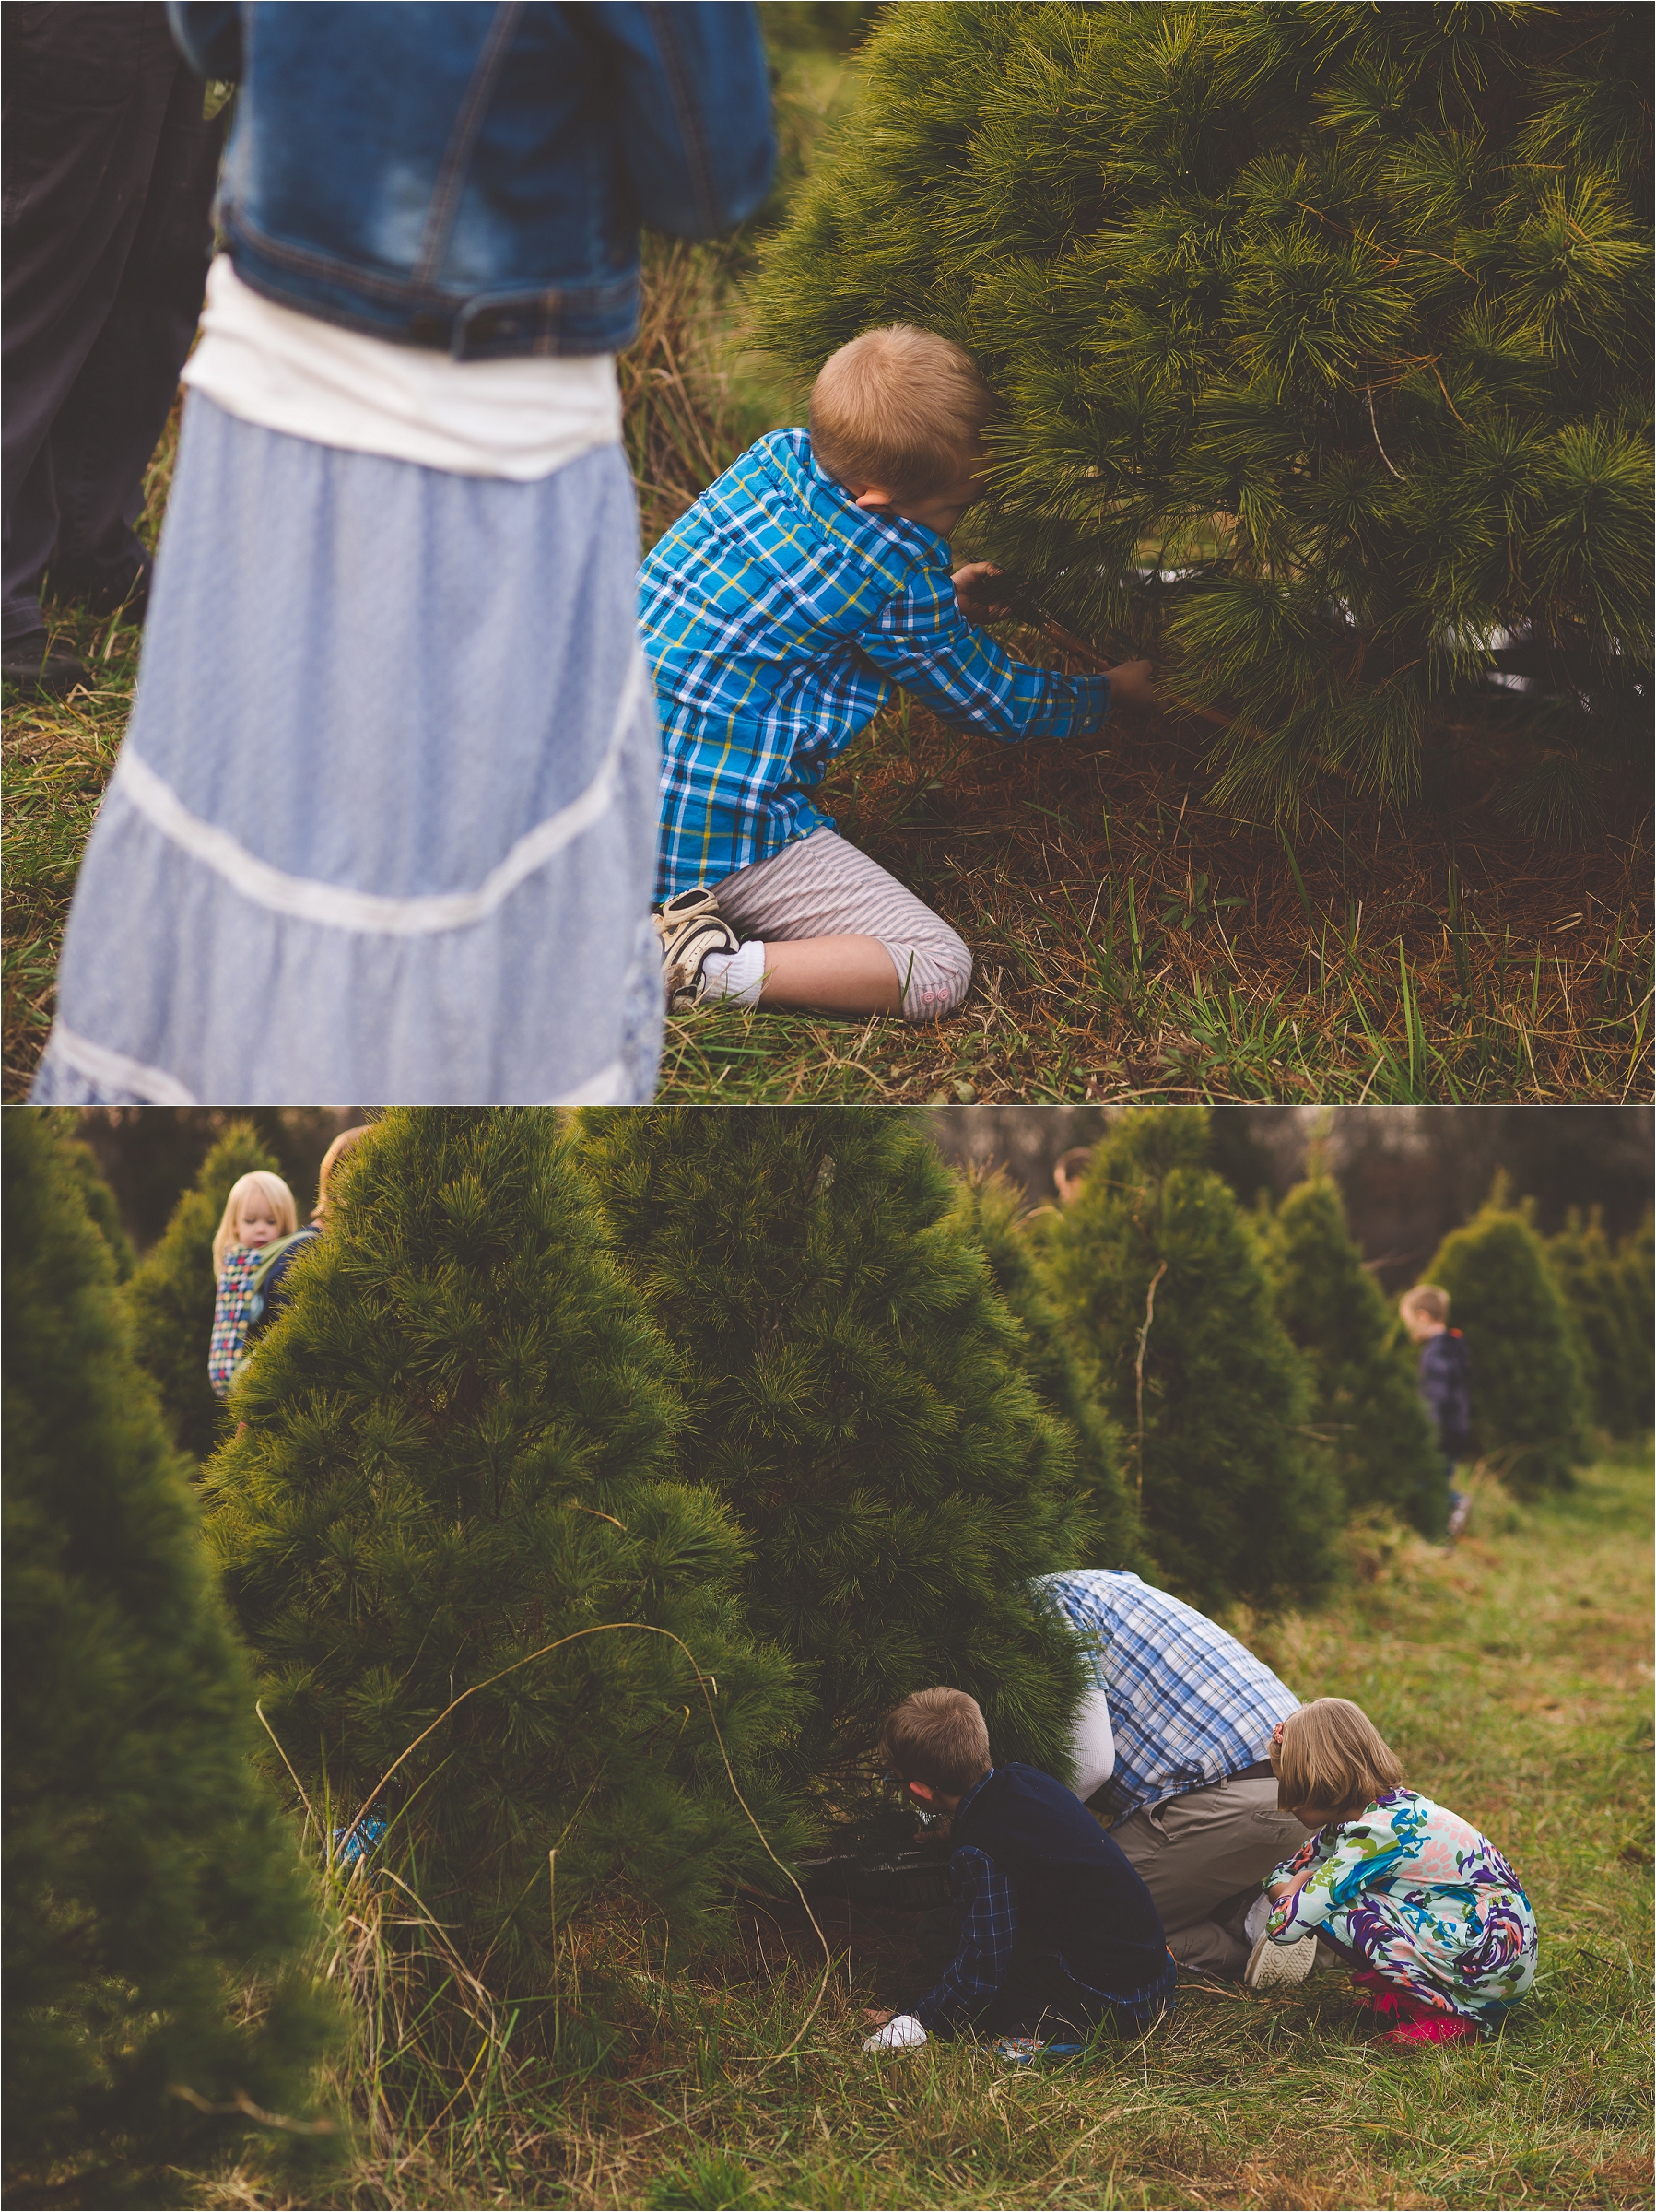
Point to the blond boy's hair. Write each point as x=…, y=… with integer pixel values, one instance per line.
x=270, y=1187
x=900, y=409
x=1427, y=1301
x=341, y=1144
x=1332, y=1761
x=937, y=1736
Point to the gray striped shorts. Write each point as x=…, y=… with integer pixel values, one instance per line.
x=822, y=887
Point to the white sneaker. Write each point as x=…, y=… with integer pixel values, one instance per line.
x=689, y=927
x=1275, y=1965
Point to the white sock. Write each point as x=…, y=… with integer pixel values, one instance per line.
x=735, y=974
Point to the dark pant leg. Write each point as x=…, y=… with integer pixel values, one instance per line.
x=109, y=424
x=87, y=89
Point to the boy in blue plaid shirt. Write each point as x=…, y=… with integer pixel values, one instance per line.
x=777, y=613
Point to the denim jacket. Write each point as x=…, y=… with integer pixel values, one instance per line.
x=471, y=177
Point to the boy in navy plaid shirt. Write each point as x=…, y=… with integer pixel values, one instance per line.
x=777, y=613
x=1055, y=1934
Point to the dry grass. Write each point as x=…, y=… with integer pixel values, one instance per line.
x=1132, y=942
x=1511, y=1673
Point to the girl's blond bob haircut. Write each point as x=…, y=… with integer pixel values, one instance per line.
x=937, y=1736
x=269, y=1187
x=1334, y=1760
x=344, y=1142
x=1426, y=1298
x=901, y=409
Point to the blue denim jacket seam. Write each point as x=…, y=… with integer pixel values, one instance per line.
x=451, y=176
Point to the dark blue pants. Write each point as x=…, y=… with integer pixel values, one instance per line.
x=109, y=172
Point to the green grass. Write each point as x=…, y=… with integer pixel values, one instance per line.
x=1512, y=1675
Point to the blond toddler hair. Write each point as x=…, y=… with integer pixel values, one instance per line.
x=1427, y=1301
x=273, y=1189
x=1332, y=1760
x=900, y=409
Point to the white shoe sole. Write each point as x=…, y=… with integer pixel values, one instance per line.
x=1275, y=1965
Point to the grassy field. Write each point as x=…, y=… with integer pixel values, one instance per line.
x=1133, y=943
x=1512, y=1675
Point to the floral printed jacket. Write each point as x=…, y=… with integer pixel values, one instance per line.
x=1427, y=1901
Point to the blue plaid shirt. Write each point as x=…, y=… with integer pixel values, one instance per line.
x=1187, y=1704
x=776, y=615
x=978, y=1966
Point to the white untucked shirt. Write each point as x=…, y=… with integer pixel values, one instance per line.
x=522, y=418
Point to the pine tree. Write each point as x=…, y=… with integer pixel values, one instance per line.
x=96, y=1195
x=1365, y=1399
x=1603, y=1321
x=456, y=1435
x=1160, y=1280
x=987, y=1207
x=1636, y=1262
x=174, y=1288
x=855, y=1392
x=1324, y=340
x=149, y=1874
x=1529, y=1405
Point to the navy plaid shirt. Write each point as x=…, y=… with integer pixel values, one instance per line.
x=776, y=615
x=1187, y=1704
x=978, y=1966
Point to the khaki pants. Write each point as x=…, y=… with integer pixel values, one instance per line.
x=1202, y=1858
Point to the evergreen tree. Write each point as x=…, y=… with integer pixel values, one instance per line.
x=173, y=1290
x=1365, y=1399
x=456, y=1435
x=1636, y=1262
x=1528, y=1401
x=147, y=1873
x=987, y=1207
x=1323, y=337
x=1604, y=1321
x=854, y=1392
x=1160, y=1282
x=96, y=1195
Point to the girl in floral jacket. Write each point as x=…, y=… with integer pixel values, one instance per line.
x=1426, y=1912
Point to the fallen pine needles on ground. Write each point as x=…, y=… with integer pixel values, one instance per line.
x=1512, y=1676
x=1133, y=943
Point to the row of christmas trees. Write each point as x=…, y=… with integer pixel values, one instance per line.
x=604, y=1482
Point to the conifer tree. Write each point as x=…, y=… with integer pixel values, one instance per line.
x=1365, y=1400
x=1324, y=340
x=456, y=1437
x=1160, y=1282
x=1603, y=1321
x=96, y=1195
x=149, y=1874
x=174, y=1288
x=1529, y=1405
x=855, y=1392
x=987, y=1206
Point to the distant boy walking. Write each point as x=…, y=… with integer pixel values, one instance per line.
x=777, y=613
x=1054, y=1933
x=1445, y=1385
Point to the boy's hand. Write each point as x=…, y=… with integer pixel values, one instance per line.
x=1130, y=685
x=875, y=2016
x=975, y=592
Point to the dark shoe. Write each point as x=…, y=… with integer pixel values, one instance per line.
x=125, y=595
x=41, y=669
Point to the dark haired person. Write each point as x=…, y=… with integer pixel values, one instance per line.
x=1057, y=1936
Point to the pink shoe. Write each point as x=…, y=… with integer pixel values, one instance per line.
x=1442, y=2029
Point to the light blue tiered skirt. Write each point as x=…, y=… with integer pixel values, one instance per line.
x=383, y=829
